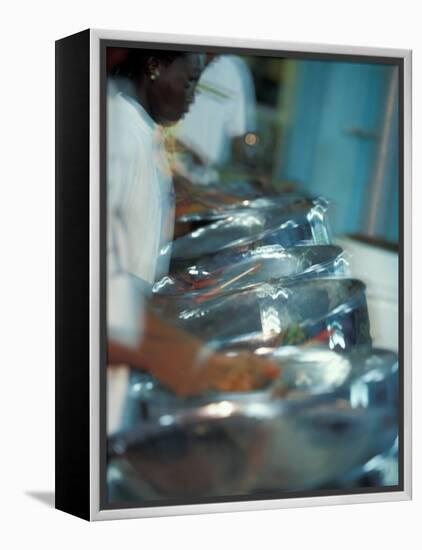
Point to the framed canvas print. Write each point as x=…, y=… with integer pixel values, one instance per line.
x=233, y=293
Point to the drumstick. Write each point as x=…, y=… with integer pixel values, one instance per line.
x=214, y=291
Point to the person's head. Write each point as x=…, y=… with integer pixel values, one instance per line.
x=164, y=81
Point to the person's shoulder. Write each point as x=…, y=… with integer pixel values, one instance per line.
x=125, y=124
x=237, y=65
x=232, y=70
x=121, y=109
x=231, y=62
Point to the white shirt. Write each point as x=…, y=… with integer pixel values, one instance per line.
x=224, y=108
x=140, y=208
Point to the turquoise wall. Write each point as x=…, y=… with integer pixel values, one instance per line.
x=333, y=140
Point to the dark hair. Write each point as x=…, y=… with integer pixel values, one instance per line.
x=134, y=66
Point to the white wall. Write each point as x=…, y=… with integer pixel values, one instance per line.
x=379, y=269
x=26, y=300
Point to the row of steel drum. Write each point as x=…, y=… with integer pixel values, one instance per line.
x=263, y=277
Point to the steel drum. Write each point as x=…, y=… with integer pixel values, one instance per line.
x=327, y=310
x=248, y=267
x=312, y=434
x=305, y=225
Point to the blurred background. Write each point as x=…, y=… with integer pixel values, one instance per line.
x=332, y=128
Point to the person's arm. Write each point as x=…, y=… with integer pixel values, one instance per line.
x=171, y=355
x=178, y=361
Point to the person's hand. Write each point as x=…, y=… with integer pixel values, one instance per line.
x=185, y=375
x=183, y=364
x=242, y=372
